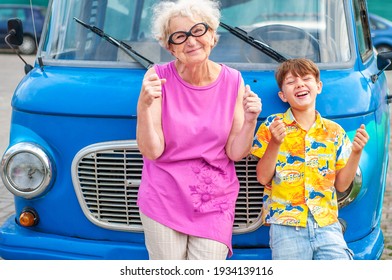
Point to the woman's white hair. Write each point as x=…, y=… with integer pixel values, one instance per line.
x=206, y=10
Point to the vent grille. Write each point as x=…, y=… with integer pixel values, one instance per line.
x=107, y=176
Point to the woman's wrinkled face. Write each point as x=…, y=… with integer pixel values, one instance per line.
x=194, y=49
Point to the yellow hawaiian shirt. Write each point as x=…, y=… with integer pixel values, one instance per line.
x=305, y=171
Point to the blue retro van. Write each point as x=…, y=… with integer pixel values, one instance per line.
x=73, y=164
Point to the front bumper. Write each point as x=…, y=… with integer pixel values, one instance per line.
x=369, y=247
x=18, y=243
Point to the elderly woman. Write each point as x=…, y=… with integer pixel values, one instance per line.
x=195, y=118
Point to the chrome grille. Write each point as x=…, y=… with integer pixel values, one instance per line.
x=250, y=198
x=106, y=177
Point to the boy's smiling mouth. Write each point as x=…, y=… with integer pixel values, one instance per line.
x=301, y=94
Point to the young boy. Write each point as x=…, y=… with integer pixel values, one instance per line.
x=304, y=159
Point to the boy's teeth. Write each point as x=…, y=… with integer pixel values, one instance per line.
x=302, y=94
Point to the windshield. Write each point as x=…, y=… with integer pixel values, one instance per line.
x=315, y=29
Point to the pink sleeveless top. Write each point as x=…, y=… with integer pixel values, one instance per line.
x=192, y=187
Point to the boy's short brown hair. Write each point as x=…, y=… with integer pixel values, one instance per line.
x=296, y=66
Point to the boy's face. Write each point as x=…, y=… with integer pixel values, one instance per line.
x=300, y=92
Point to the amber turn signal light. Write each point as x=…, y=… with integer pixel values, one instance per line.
x=28, y=218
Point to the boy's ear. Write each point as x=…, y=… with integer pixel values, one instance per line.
x=282, y=96
x=319, y=87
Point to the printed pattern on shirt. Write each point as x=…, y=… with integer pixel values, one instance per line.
x=305, y=171
x=208, y=189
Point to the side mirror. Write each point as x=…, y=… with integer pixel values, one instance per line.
x=384, y=61
x=15, y=38
x=15, y=32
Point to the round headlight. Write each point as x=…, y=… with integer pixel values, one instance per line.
x=346, y=197
x=26, y=170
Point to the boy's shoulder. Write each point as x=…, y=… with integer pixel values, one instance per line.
x=332, y=125
x=271, y=118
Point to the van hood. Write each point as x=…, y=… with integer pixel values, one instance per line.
x=79, y=92
x=114, y=92
x=344, y=93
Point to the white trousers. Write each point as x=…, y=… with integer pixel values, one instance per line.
x=164, y=243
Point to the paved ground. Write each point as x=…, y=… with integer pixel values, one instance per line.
x=386, y=221
x=11, y=72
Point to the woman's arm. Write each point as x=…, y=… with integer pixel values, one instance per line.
x=149, y=134
x=247, y=109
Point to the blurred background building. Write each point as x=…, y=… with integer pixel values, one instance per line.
x=26, y=2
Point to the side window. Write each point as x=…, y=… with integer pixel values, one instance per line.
x=145, y=20
x=362, y=29
x=122, y=18
x=377, y=25
x=6, y=14
x=21, y=14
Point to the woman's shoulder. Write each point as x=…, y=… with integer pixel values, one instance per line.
x=162, y=69
x=163, y=66
x=230, y=74
x=230, y=69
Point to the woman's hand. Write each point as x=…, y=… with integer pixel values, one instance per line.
x=252, y=105
x=151, y=89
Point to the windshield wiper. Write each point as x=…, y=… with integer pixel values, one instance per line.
x=120, y=44
x=243, y=35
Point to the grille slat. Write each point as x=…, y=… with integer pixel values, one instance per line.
x=107, y=177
